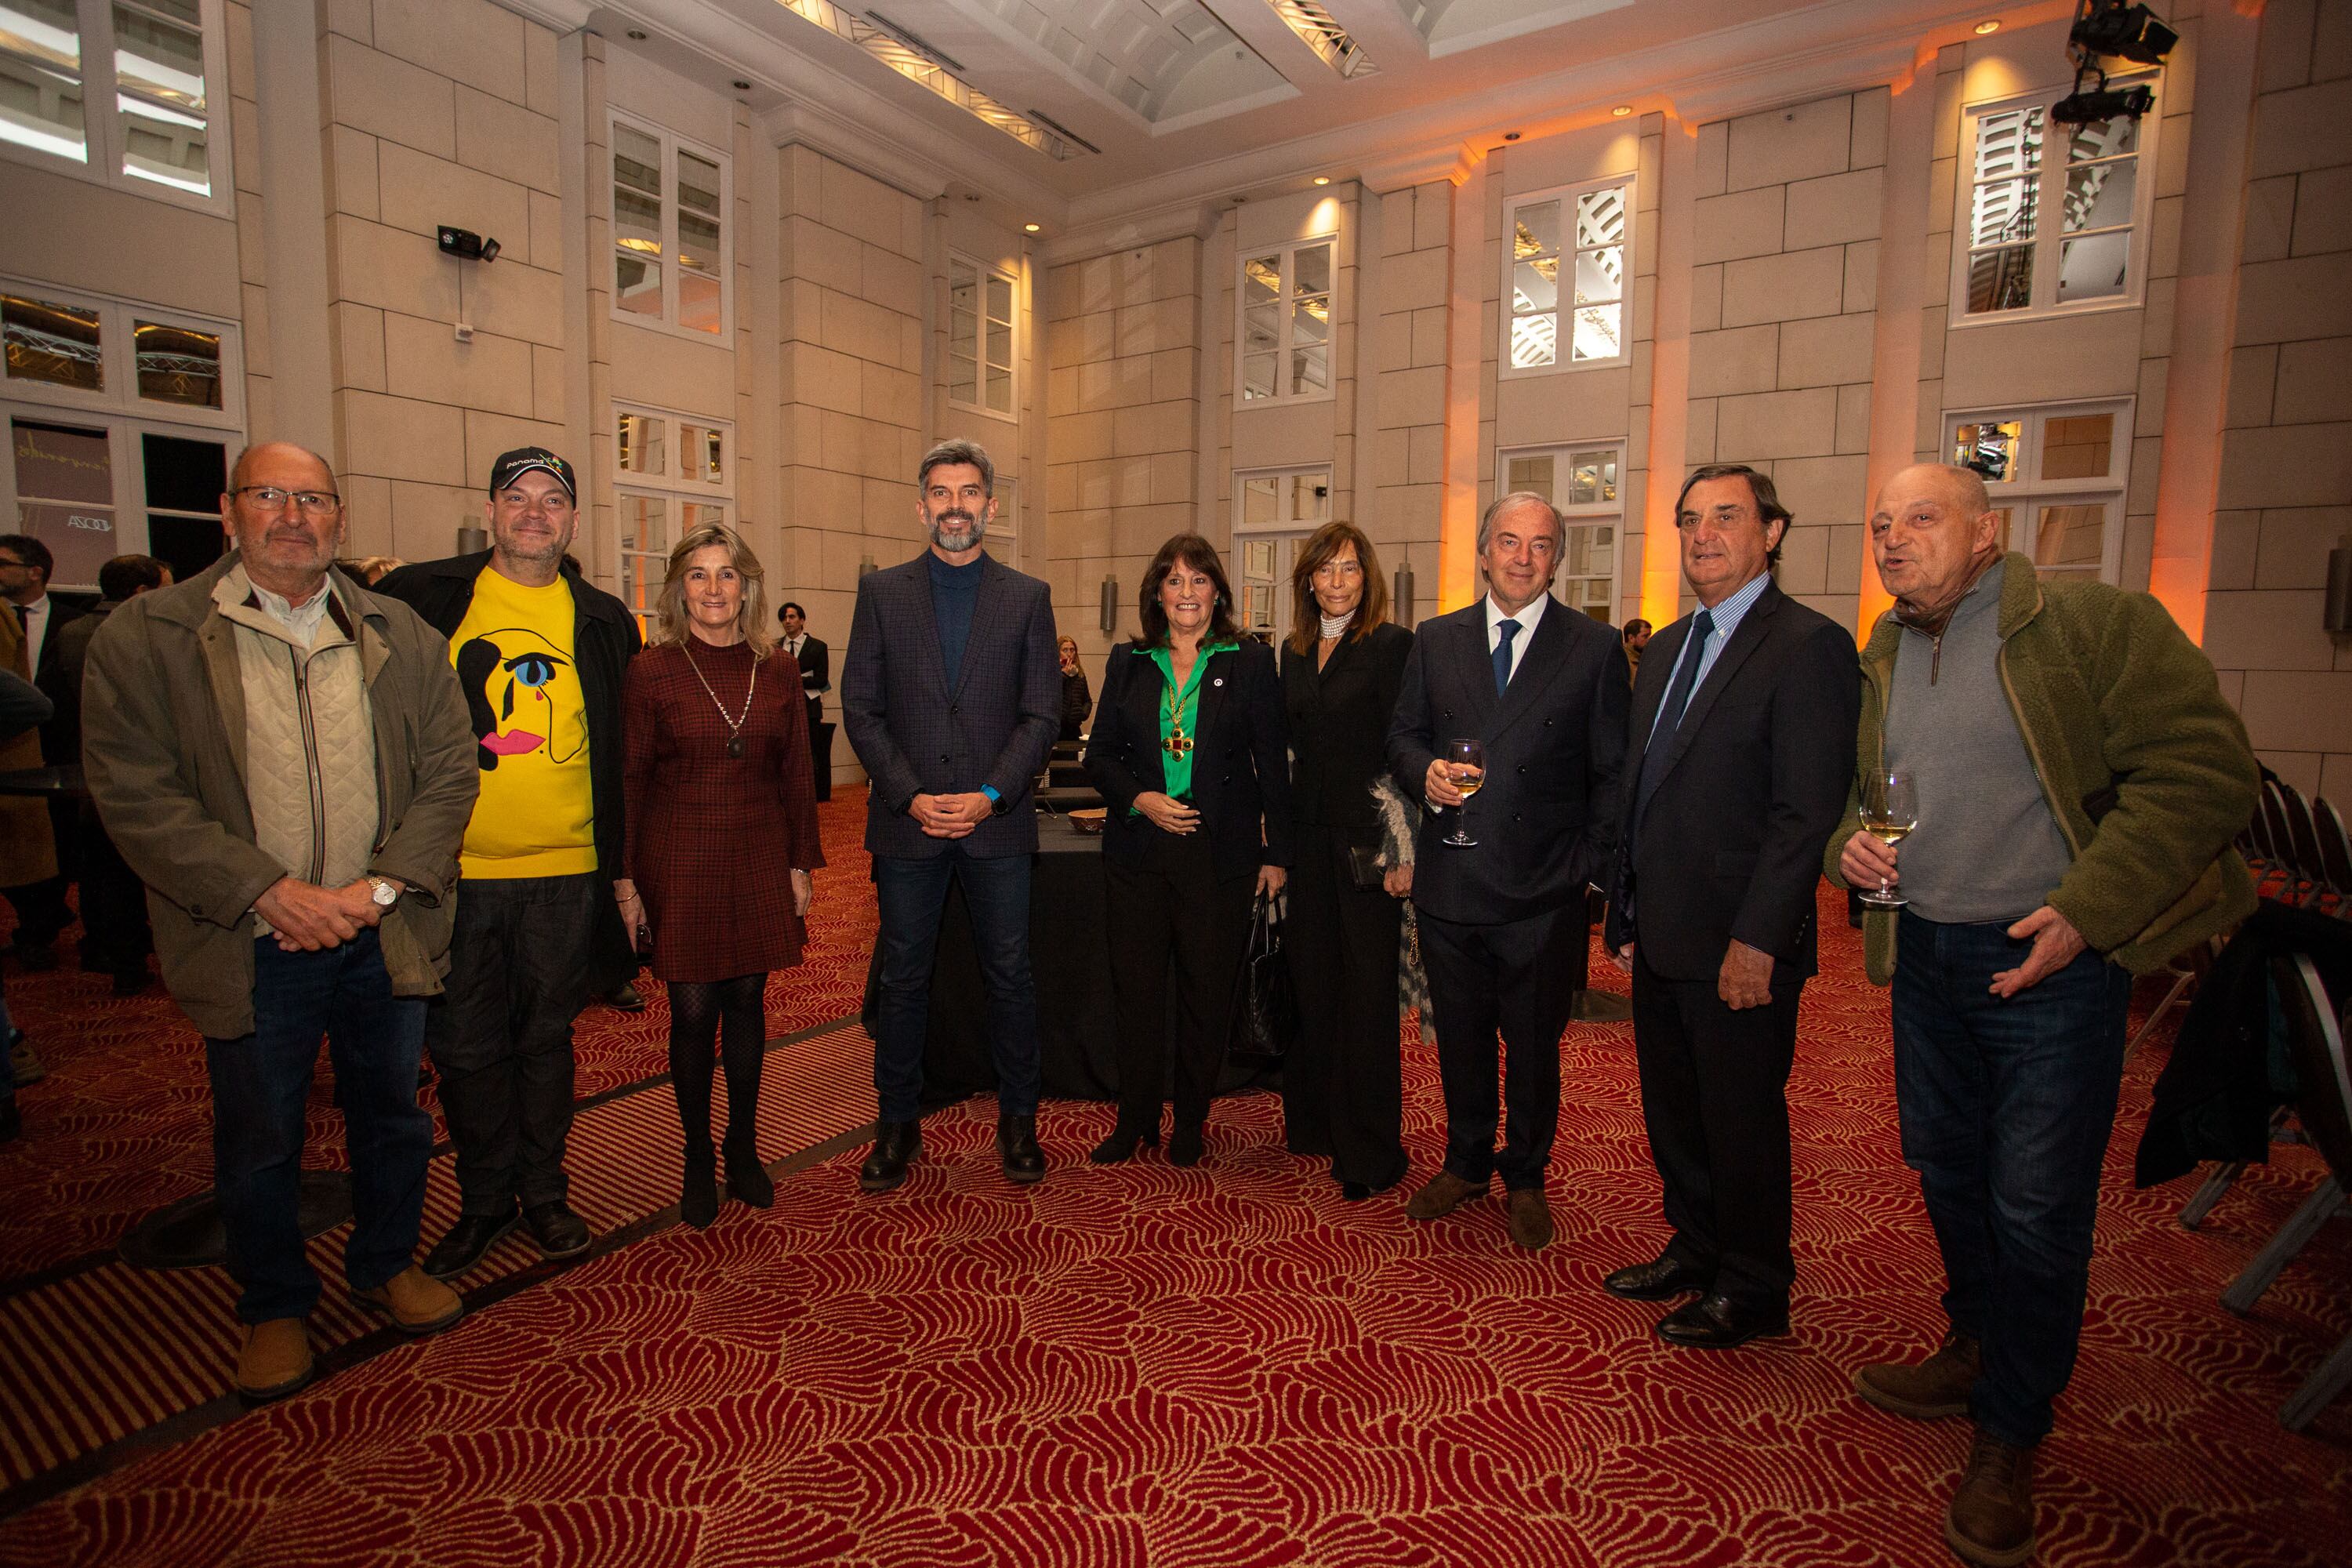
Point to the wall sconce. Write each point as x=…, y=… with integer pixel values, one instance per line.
x=2339, y=587
x=865, y=565
x=1401, y=600
x=472, y=537
x=1110, y=605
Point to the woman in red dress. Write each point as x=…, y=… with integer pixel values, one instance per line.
x=722, y=838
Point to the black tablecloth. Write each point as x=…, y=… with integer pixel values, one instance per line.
x=1078, y=1031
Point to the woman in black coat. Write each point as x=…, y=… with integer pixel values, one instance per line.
x=1188, y=748
x=1343, y=1087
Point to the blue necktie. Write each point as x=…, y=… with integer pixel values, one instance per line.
x=1670, y=712
x=1508, y=629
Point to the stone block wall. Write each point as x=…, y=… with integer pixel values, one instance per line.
x=1407, y=315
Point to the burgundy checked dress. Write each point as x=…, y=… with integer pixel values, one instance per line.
x=713, y=839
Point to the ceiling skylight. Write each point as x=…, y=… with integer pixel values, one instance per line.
x=1319, y=31
x=899, y=50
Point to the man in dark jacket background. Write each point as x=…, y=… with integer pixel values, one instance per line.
x=540, y=653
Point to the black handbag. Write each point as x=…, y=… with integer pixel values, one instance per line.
x=1265, y=1010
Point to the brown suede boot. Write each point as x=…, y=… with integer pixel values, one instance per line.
x=1928, y=1390
x=1441, y=1194
x=275, y=1360
x=416, y=1301
x=1530, y=1217
x=1990, y=1521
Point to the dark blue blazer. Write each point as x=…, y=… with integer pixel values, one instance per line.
x=1730, y=842
x=1241, y=757
x=916, y=736
x=1545, y=819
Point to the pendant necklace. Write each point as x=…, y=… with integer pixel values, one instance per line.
x=1174, y=707
x=734, y=725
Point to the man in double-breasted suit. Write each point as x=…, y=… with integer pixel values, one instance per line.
x=952, y=696
x=1544, y=689
x=1742, y=749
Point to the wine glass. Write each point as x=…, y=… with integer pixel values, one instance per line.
x=1465, y=764
x=1890, y=810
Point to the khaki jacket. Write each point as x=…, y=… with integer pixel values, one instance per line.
x=2145, y=766
x=28, y=850
x=163, y=744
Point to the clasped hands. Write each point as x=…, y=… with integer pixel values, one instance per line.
x=1168, y=814
x=1865, y=862
x=307, y=917
x=950, y=815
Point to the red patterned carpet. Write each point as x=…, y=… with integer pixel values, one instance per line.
x=1143, y=1365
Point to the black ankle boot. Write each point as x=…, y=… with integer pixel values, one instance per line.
x=747, y=1179
x=699, y=1203
x=1184, y=1143
x=895, y=1144
x=1017, y=1146
x=1121, y=1146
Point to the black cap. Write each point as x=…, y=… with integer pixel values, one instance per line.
x=514, y=465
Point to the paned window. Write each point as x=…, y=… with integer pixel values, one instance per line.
x=1581, y=483
x=88, y=351
x=1567, y=278
x=675, y=473
x=980, y=336
x=2020, y=169
x=152, y=127
x=1286, y=322
x=672, y=237
x=2056, y=477
x=1273, y=513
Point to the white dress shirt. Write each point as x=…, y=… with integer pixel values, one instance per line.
x=37, y=627
x=1527, y=616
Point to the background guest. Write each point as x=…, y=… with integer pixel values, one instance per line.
x=22, y=706
x=372, y=569
x=1077, y=697
x=29, y=856
x=1189, y=750
x=115, y=937
x=814, y=660
x=38, y=899
x=1342, y=1084
x=1637, y=637
x=722, y=838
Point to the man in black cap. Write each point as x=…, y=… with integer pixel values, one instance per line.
x=540, y=653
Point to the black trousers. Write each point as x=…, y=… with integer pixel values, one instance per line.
x=1714, y=1101
x=501, y=1032
x=1518, y=979
x=1172, y=903
x=115, y=934
x=1343, y=1087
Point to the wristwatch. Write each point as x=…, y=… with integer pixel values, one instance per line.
x=384, y=894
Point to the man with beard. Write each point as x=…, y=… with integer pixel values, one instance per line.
x=952, y=697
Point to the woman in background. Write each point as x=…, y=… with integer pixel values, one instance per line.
x=1342, y=666
x=1077, y=699
x=1188, y=748
x=721, y=840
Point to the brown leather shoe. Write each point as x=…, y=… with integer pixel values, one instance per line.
x=416, y=1301
x=1928, y=1390
x=1990, y=1521
x=1441, y=1194
x=1530, y=1217
x=275, y=1360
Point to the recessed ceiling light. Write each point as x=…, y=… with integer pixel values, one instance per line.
x=1985, y=27
x=1322, y=179
x=637, y=35
x=1029, y=228
x=1511, y=135
x=742, y=87
x=1622, y=110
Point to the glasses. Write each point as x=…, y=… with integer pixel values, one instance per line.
x=270, y=498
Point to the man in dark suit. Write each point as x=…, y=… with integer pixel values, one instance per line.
x=1742, y=749
x=1544, y=689
x=816, y=678
x=952, y=700
x=26, y=566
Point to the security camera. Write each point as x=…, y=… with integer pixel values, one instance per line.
x=465, y=245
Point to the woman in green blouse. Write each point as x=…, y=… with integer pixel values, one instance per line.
x=1191, y=752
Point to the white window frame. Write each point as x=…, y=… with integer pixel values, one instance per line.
x=982, y=272
x=118, y=363
x=1287, y=520
x=103, y=136
x=672, y=143
x=2020, y=493
x=1567, y=196
x=1572, y=515
x=671, y=486
x=1004, y=538
x=125, y=460
x=1284, y=307
x=2051, y=199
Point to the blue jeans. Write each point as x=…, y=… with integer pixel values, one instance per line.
x=261, y=1082
x=912, y=893
x=2006, y=1107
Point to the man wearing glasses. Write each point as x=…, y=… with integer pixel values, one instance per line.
x=283, y=758
x=540, y=653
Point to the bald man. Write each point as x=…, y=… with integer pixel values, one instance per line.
x=2079, y=778
x=299, y=841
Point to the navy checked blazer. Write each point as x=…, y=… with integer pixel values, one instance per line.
x=915, y=736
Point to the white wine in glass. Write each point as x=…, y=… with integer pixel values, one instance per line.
x=1890, y=812
x=1465, y=764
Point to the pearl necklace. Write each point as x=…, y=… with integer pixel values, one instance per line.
x=1334, y=627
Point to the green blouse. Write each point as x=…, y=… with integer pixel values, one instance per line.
x=1180, y=714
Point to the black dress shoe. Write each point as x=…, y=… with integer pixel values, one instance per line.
x=463, y=1244
x=12, y=1120
x=895, y=1144
x=1354, y=1192
x=1718, y=1322
x=558, y=1232
x=1017, y=1146
x=1185, y=1144
x=698, y=1200
x=623, y=998
x=1121, y=1144
x=1657, y=1280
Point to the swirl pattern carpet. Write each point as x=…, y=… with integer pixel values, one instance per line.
x=1143, y=1365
